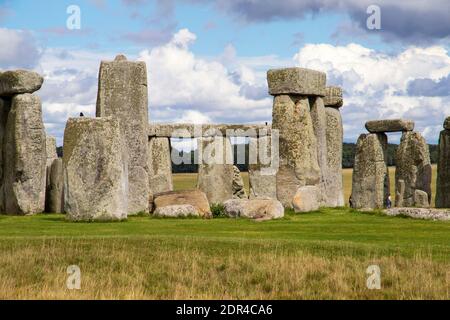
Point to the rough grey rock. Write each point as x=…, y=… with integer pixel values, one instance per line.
x=5, y=106
x=122, y=94
x=51, y=156
x=24, y=153
x=159, y=165
x=399, y=192
x=299, y=81
x=335, y=134
x=191, y=130
x=260, y=209
x=413, y=167
x=177, y=211
x=319, y=119
x=194, y=198
x=297, y=146
x=95, y=170
x=443, y=171
x=262, y=169
x=54, y=200
x=215, y=171
x=447, y=123
x=420, y=213
x=306, y=199
x=51, y=147
x=421, y=199
x=333, y=97
x=370, y=187
x=238, y=185
x=394, y=125
x=18, y=82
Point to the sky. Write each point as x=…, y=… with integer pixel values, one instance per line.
x=207, y=59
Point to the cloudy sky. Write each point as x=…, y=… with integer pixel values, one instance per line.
x=207, y=60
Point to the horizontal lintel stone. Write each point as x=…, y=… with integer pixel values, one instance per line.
x=298, y=81
x=394, y=125
x=188, y=130
x=19, y=82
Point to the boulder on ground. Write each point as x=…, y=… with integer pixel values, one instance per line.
x=177, y=211
x=391, y=125
x=194, y=198
x=333, y=97
x=306, y=199
x=260, y=209
x=420, y=213
x=95, y=170
x=299, y=81
x=18, y=82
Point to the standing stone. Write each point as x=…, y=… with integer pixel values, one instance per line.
x=413, y=168
x=122, y=94
x=159, y=165
x=319, y=119
x=262, y=173
x=55, y=188
x=297, y=146
x=443, y=170
x=51, y=148
x=370, y=187
x=18, y=82
x=25, y=157
x=95, y=170
x=238, y=185
x=215, y=171
x=335, y=133
x=5, y=105
x=421, y=199
x=51, y=156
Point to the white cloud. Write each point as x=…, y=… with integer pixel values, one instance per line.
x=18, y=49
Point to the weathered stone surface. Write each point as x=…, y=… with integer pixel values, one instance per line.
x=262, y=168
x=413, y=168
x=335, y=134
x=260, y=209
x=215, y=171
x=420, y=213
x=159, y=165
x=54, y=200
x=306, y=199
x=95, y=170
x=333, y=97
x=399, y=192
x=421, y=199
x=194, y=198
x=19, y=81
x=5, y=106
x=394, y=125
x=443, y=171
x=25, y=157
x=297, y=146
x=447, y=123
x=177, y=211
x=300, y=81
x=319, y=119
x=190, y=130
x=51, y=156
x=370, y=187
x=51, y=147
x=122, y=94
x=238, y=185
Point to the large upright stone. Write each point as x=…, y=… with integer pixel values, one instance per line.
x=394, y=125
x=54, y=199
x=122, y=94
x=215, y=171
x=159, y=165
x=413, y=167
x=238, y=185
x=443, y=171
x=335, y=132
x=262, y=172
x=5, y=105
x=319, y=119
x=370, y=187
x=51, y=157
x=296, y=81
x=297, y=146
x=95, y=170
x=25, y=157
x=18, y=82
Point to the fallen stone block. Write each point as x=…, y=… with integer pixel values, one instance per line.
x=299, y=81
x=19, y=82
x=194, y=198
x=420, y=213
x=306, y=199
x=395, y=125
x=95, y=170
x=259, y=209
x=177, y=211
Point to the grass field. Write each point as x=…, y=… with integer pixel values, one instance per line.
x=319, y=255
